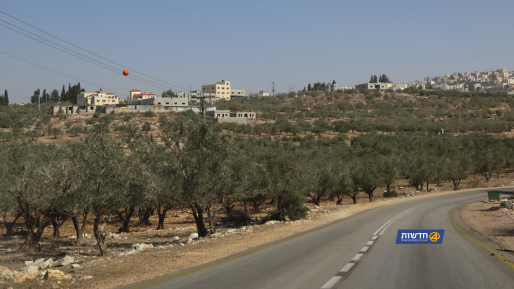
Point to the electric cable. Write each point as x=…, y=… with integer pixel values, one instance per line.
x=21, y=59
x=100, y=65
x=76, y=46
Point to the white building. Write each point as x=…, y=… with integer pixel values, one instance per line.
x=263, y=93
x=97, y=98
x=237, y=93
x=136, y=95
x=220, y=89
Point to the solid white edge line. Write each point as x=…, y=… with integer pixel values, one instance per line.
x=357, y=257
x=331, y=282
x=364, y=249
x=347, y=267
x=393, y=219
x=369, y=243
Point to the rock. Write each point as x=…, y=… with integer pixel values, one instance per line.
x=56, y=274
x=20, y=277
x=29, y=263
x=30, y=269
x=67, y=260
x=5, y=273
x=47, y=263
x=141, y=247
x=38, y=262
x=505, y=204
x=286, y=218
x=115, y=236
x=75, y=265
x=176, y=238
x=193, y=236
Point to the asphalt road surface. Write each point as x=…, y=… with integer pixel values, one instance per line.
x=361, y=252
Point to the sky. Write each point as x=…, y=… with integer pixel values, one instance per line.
x=178, y=44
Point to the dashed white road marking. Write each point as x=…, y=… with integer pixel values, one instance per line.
x=331, y=282
x=364, y=249
x=347, y=267
x=357, y=257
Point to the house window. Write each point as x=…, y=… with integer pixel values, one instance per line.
x=167, y=103
x=158, y=103
x=183, y=103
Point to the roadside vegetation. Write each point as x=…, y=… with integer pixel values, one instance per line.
x=119, y=166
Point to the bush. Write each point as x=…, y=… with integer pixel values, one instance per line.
x=297, y=138
x=292, y=208
x=391, y=194
x=127, y=117
x=68, y=124
x=150, y=113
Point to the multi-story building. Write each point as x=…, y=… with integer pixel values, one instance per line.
x=97, y=98
x=220, y=89
x=136, y=95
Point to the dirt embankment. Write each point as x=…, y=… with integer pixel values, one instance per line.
x=491, y=221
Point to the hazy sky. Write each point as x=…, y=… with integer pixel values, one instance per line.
x=251, y=43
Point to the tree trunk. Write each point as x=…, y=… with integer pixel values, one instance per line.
x=9, y=225
x=246, y=210
x=199, y=219
x=30, y=246
x=211, y=215
x=145, y=214
x=57, y=222
x=79, y=229
x=427, y=188
x=100, y=235
x=162, y=216
x=339, y=200
x=354, y=198
x=315, y=199
x=456, y=183
x=229, y=208
x=128, y=212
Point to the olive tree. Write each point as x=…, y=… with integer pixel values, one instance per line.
x=200, y=153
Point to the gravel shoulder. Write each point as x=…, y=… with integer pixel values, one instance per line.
x=491, y=221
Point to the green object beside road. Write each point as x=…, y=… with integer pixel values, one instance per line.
x=493, y=196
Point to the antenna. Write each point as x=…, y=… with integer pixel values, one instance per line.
x=273, y=89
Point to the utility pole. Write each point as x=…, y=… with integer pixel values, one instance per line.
x=273, y=89
x=202, y=104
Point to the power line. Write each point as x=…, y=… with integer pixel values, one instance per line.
x=79, y=57
x=100, y=63
x=89, y=51
x=57, y=71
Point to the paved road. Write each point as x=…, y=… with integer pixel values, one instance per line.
x=323, y=258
